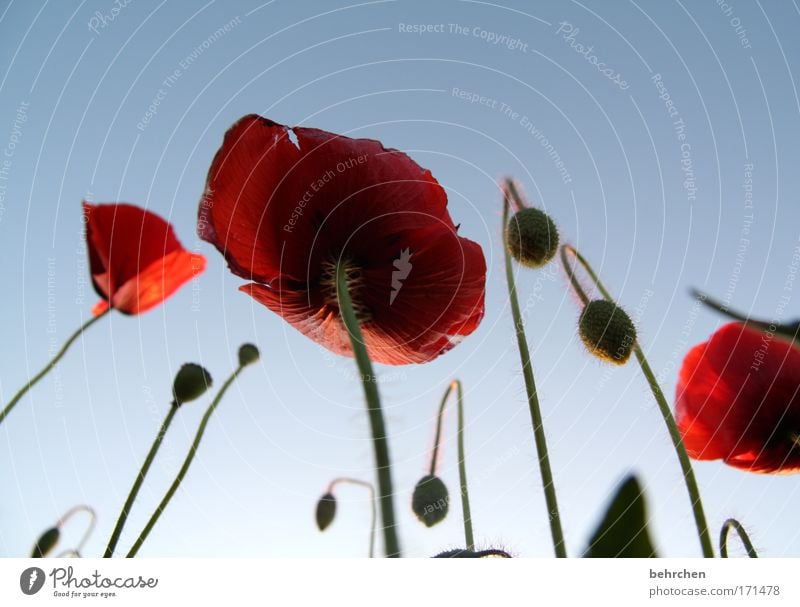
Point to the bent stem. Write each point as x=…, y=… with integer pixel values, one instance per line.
x=666, y=413
x=32, y=382
x=137, y=483
x=186, y=464
x=86, y=534
x=377, y=425
x=355, y=481
x=533, y=399
x=732, y=523
x=462, y=467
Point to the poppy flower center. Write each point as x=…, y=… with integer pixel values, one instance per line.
x=356, y=286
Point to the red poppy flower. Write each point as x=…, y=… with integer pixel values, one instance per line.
x=284, y=205
x=135, y=259
x=738, y=399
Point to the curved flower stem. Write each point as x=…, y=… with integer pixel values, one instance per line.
x=666, y=413
x=377, y=425
x=732, y=523
x=462, y=468
x=360, y=483
x=533, y=399
x=92, y=523
x=32, y=382
x=137, y=483
x=186, y=464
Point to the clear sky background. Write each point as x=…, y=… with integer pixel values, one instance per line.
x=72, y=106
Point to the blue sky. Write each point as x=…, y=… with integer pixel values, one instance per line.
x=133, y=109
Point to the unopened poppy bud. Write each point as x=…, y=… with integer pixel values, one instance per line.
x=248, y=354
x=326, y=510
x=607, y=331
x=190, y=383
x=431, y=500
x=46, y=543
x=532, y=237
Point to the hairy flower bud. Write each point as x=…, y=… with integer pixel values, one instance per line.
x=248, y=354
x=532, y=237
x=46, y=542
x=607, y=331
x=431, y=500
x=190, y=383
x=326, y=510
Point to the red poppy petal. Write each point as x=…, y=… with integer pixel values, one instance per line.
x=695, y=384
x=272, y=207
x=135, y=258
x=157, y=282
x=437, y=300
x=739, y=400
x=123, y=239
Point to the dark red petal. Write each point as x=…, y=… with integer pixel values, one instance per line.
x=276, y=208
x=439, y=302
x=135, y=258
x=738, y=400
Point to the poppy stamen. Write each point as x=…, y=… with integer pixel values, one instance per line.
x=355, y=285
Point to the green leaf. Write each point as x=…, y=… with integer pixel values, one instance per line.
x=623, y=532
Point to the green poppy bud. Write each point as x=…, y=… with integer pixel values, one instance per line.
x=46, y=543
x=431, y=500
x=326, y=510
x=532, y=237
x=607, y=331
x=248, y=354
x=190, y=383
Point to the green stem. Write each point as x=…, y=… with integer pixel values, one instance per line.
x=355, y=481
x=533, y=401
x=137, y=484
x=4, y=413
x=186, y=464
x=666, y=413
x=732, y=523
x=377, y=425
x=462, y=467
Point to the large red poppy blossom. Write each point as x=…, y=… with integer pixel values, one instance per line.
x=284, y=205
x=135, y=258
x=738, y=399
